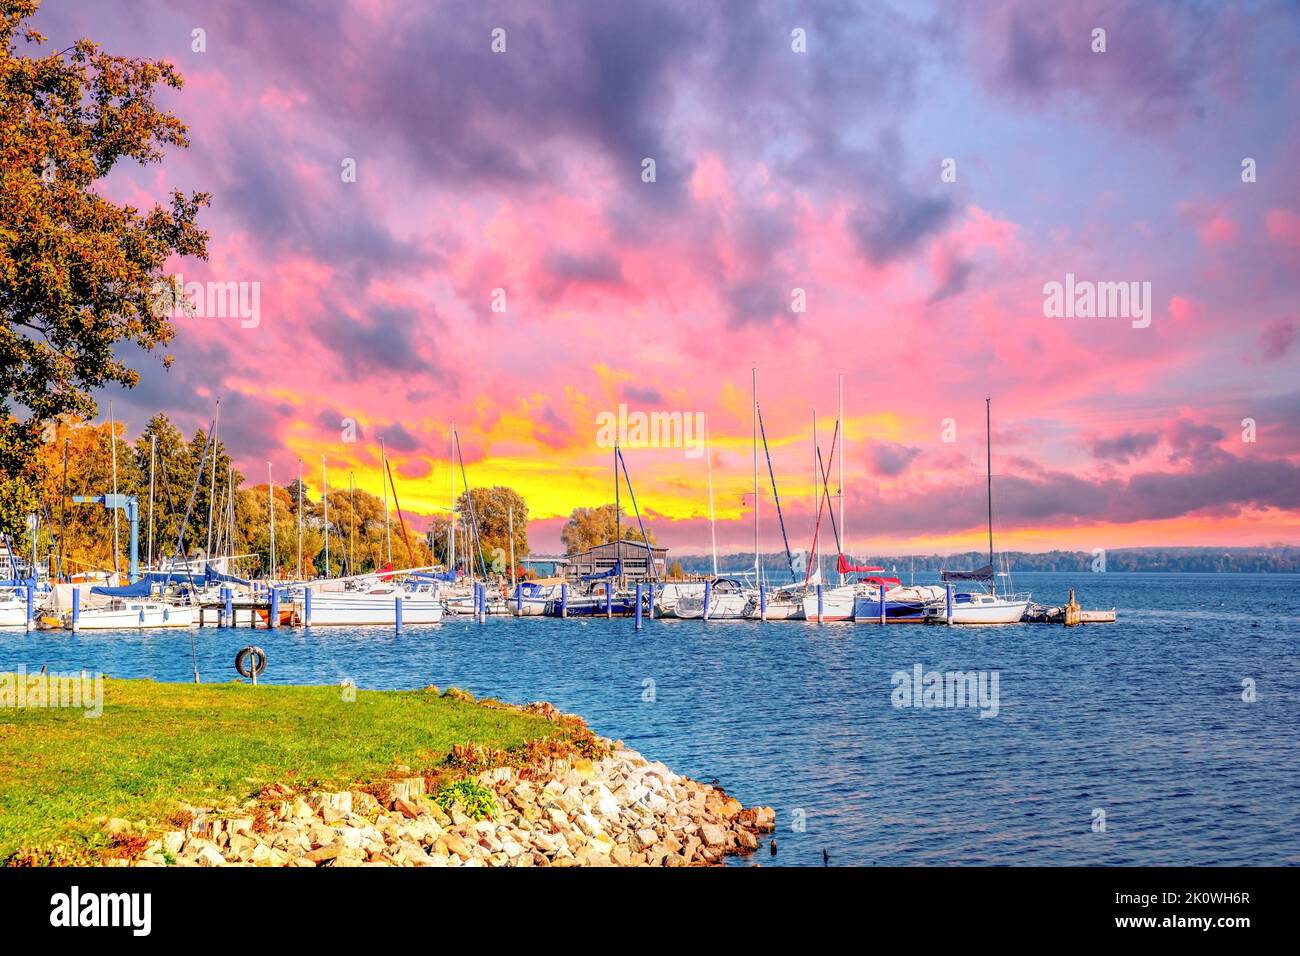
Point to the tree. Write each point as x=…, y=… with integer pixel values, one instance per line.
x=78, y=274
x=495, y=509
x=589, y=527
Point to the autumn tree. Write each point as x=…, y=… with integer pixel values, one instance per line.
x=589, y=527
x=496, y=511
x=78, y=273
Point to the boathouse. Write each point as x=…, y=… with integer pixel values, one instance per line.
x=600, y=559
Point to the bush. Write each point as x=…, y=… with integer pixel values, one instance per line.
x=479, y=802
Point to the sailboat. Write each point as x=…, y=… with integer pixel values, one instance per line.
x=832, y=603
x=981, y=607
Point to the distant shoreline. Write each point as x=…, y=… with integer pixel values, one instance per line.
x=1275, y=559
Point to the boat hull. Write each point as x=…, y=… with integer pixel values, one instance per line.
x=999, y=612
x=836, y=605
x=329, y=613
x=123, y=619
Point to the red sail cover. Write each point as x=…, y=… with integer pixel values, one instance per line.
x=386, y=571
x=845, y=568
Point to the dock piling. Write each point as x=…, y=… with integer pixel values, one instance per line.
x=564, y=599
x=762, y=603
x=30, y=600
x=76, y=609
x=882, y=603
x=397, y=612
x=708, y=597
x=821, y=604
x=273, y=619
x=638, y=605
x=609, y=599
x=306, y=606
x=947, y=603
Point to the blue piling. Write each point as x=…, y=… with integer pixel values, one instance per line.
x=30, y=605
x=882, y=603
x=76, y=609
x=229, y=597
x=638, y=605
x=609, y=598
x=519, y=599
x=273, y=619
x=820, y=604
x=564, y=599
x=306, y=606
x=947, y=601
x=708, y=597
x=397, y=610
x=762, y=603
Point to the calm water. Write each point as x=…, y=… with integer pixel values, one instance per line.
x=1143, y=719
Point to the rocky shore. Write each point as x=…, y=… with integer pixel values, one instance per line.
x=613, y=809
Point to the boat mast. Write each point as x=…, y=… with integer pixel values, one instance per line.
x=510, y=517
x=299, y=519
x=618, y=524
x=988, y=446
x=817, y=497
x=325, y=502
x=758, y=575
x=352, y=524
x=112, y=434
x=383, y=478
x=63, y=502
x=708, y=470
x=270, y=504
x=212, y=484
x=839, y=417
x=451, y=524
x=153, y=447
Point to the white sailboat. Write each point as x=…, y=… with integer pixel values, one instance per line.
x=123, y=614
x=13, y=608
x=370, y=600
x=981, y=607
x=727, y=599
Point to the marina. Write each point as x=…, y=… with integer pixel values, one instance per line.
x=800, y=717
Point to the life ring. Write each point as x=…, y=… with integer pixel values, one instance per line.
x=250, y=661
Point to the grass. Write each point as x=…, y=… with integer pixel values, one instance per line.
x=159, y=745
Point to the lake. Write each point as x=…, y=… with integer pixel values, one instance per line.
x=1120, y=744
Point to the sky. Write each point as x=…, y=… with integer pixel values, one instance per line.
x=876, y=191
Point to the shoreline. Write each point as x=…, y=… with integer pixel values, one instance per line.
x=612, y=809
x=411, y=778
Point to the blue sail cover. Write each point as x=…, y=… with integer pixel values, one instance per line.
x=613, y=572
x=138, y=589
x=212, y=576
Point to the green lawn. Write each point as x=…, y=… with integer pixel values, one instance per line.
x=157, y=745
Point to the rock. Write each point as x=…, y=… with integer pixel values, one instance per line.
x=324, y=854
x=364, y=803
x=406, y=808
x=206, y=853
